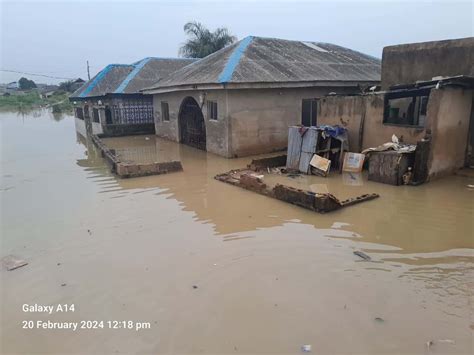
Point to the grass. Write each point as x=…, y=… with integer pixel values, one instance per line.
x=31, y=100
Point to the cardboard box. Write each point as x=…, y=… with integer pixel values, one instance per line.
x=353, y=162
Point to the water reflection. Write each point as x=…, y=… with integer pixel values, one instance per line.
x=434, y=217
x=134, y=247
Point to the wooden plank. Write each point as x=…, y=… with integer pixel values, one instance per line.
x=294, y=148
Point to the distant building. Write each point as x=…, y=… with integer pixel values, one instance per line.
x=76, y=84
x=13, y=85
x=428, y=94
x=242, y=99
x=47, y=91
x=111, y=102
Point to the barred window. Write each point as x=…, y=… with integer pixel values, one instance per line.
x=86, y=111
x=95, y=115
x=212, y=110
x=165, y=111
x=79, y=113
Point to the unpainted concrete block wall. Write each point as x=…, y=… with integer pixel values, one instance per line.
x=349, y=111
x=408, y=63
x=450, y=112
x=260, y=118
x=216, y=130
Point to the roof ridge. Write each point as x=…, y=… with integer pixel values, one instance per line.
x=234, y=59
x=137, y=67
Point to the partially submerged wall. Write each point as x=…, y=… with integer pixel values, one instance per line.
x=408, y=63
x=448, y=115
x=450, y=111
x=260, y=118
x=362, y=116
x=250, y=121
x=216, y=130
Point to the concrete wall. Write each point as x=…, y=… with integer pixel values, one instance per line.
x=448, y=117
x=102, y=127
x=450, y=112
x=216, y=130
x=259, y=118
x=80, y=126
x=408, y=63
x=250, y=121
x=350, y=111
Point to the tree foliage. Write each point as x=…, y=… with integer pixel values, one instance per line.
x=26, y=84
x=202, y=42
x=67, y=86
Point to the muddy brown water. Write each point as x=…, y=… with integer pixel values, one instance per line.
x=270, y=277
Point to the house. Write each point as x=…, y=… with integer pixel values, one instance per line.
x=241, y=99
x=46, y=91
x=76, y=84
x=428, y=95
x=111, y=102
x=13, y=85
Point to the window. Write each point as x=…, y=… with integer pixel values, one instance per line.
x=165, y=111
x=406, y=108
x=95, y=115
x=86, y=111
x=108, y=115
x=212, y=110
x=309, y=112
x=79, y=113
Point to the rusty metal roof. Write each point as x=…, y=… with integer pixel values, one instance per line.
x=271, y=60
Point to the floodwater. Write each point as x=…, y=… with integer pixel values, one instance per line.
x=217, y=269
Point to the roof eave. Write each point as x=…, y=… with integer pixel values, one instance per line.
x=259, y=85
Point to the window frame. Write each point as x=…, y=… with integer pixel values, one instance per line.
x=95, y=115
x=419, y=94
x=165, y=108
x=86, y=112
x=212, y=110
x=313, y=111
x=79, y=113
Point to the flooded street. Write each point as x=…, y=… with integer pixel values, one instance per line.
x=217, y=269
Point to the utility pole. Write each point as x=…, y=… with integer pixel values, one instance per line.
x=88, y=72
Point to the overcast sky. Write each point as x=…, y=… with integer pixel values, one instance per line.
x=57, y=37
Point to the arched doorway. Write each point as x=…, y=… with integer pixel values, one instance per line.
x=192, y=129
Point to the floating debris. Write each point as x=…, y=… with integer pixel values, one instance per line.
x=379, y=320
x=318, y=202
x=11, y=262
x=362, y=255
x=306, y=348
x=194, y=286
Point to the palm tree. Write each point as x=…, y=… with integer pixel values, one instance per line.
x=202, y=42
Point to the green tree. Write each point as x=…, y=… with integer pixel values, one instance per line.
x=202, y=42
x=67, y=86
x=26, y=84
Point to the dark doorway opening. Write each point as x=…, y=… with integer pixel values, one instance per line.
x=192, y=128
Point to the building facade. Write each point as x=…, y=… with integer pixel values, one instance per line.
x=241, y=100
x=430, y=106
x=111, y=103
